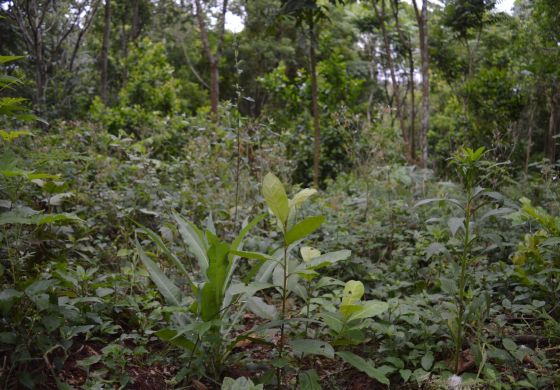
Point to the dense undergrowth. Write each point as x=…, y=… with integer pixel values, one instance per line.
x=120, y=267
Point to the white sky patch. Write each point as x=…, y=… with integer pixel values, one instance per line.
x=505, y=6
x=234, y=23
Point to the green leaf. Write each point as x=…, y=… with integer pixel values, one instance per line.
x=509, y=344
x=89, y=361
x=193, y=239
x=170, y=291
x=309, y=380
x=6, y=59
x=275, y=197
x=352, y=293
x=312, y=347
x=261, y=309
x=454, y=224
x=214, y=289
x=333, y=320
x=304, y=228
x=427, y=361
x=301, y=197
x=251, y=255
x=395, y=361
x=241, y=383
x=174, y=338
x=364, y=366
x=308, y=253
x=324, y=260
x=370, y=309
x=249, y=289
x=405, y=374
x=103, y=291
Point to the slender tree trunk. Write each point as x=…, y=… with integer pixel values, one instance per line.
x=396, y=90
x=550, y=142
x=214, y=88
x=315, y=106
x=422, y=18
x=529, y=136
x=212, y=57
x=104, y=87
x=135, y=28
x=40, y=78
x=406, y=42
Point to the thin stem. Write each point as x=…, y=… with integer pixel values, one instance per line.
x=283, y=315
x=462, y=283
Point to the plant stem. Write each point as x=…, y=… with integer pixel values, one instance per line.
x=462, y=283
x=283, y=314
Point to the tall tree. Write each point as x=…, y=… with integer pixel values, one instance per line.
x=104, y=84
x=212, y=55
x=379, y=10
x=53, y=32
x=406, y=42
x=310, y=13
x=422, y=18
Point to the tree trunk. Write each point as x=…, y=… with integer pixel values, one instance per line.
x=40, y=78
x=422, y=18
x=212, y=57
x=214, y=89
x=396, y=90
x=529, y=136
x=135, y=28
x=550, y=142
x=104, y=86
x=315, y=106
x=406, y=42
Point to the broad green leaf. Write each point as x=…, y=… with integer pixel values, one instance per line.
x=275, y=196
x=309, y=380
x=6, y=59
x=370, y=309
x=170, y=291
x=214, y=289
x=103, y=291
x=174, y=338
x=427, y=361
x=303, y=229
x=364, y=366
x=192, y=237
x=39, y=286
x=352, y=293
x=509, y=344
x=89, y=361
x=249, y=289
x=308, y=253
x=454, y=224
x=405, y=374
x=241, y=383
x=333, y=320
x=324, y=260
x=258, y=306
x=301, y=197
x=312, y=347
